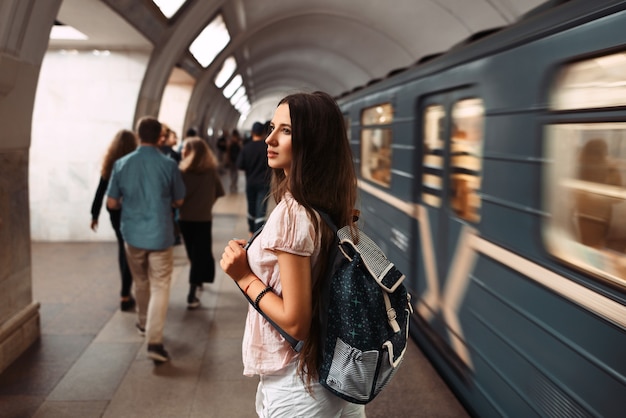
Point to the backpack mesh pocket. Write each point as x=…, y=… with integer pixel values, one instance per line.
x=352, y=371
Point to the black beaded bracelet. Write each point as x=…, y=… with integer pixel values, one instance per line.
x=258, y=298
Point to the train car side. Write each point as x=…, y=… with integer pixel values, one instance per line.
x=514, y=327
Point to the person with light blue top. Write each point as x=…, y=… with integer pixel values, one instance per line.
x=148, y=184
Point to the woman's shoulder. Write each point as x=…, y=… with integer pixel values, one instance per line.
x=289, y=235
x=290, y=206
x=289, y=221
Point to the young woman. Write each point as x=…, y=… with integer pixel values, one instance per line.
x=283, y=268
x=123, y=143
x=203, y=185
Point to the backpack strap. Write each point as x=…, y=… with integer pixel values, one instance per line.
x=327, y=219
x=253, y=237
x=295, y=344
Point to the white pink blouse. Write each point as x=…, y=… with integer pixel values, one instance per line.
x=288, y=229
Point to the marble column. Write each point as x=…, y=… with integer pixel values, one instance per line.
x=19, y=315
x=23, y=41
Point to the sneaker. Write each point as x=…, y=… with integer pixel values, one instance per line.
x=157, y=353
x=128, y=304
x=193, y=302
x=141, y=330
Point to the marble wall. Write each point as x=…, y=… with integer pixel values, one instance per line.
x=82, y=100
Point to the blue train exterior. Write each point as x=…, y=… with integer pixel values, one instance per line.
x=507, y=304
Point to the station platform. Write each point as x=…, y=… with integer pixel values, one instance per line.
x=91, y=362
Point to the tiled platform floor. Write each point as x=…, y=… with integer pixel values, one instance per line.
x=90, y=361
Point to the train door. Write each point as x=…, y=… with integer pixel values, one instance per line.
x=452, y=137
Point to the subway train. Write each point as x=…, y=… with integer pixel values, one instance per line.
x=494, y=176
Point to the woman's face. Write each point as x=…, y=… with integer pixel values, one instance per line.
x=279, y=139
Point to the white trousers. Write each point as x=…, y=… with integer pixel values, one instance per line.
x=283, y=395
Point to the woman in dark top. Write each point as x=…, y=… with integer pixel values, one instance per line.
x=123, y=143
x=203, y=188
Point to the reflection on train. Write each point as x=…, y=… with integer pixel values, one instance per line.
x=495, y=175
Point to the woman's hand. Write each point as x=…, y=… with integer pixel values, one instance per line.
x=234, y=260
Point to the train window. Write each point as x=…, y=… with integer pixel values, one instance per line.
x=593, y=83
x=376, y=138
x=466, y=149
x=434, y=125
x=585, y=197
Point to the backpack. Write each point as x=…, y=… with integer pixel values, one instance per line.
x=364, y=318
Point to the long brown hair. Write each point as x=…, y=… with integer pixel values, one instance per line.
x=322, y=178
x=124, y=142
x=198, y=156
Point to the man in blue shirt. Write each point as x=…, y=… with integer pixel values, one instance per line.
x=148, y=184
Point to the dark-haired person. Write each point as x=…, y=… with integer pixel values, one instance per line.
x=283, y=269
x=235, y=142
x=252, y=160
x=124, y=142
x=146, y=185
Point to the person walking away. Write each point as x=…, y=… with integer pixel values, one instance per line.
x=222, y=146
x=234, y=148
x=253, y=161
x=146, y=185
x=166, y=144
x=284, y=268
x=124, y=142
x=203, y=187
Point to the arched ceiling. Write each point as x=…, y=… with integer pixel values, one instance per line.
x=285, y=45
